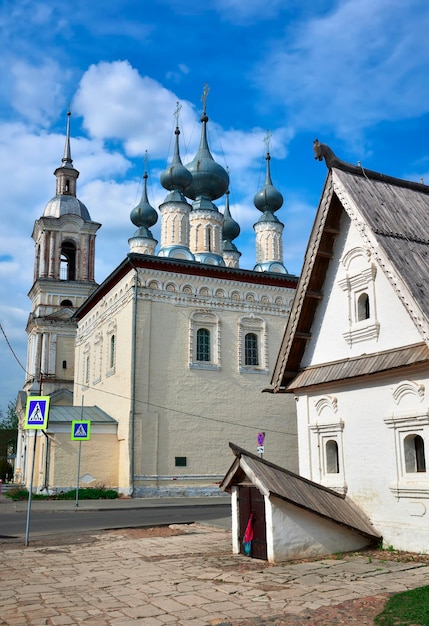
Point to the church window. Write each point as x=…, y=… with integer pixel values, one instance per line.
x=112, y=351
x=359, y=286
x=68, y=261
x=87, y=368
x=203, y=344
x=410, y=432
x=414, y=454
x=180, y=461
x=251, y=349
x=66, y=303
x=204, y=340
x=332, y=463
x=252, y=345
x=363, y=307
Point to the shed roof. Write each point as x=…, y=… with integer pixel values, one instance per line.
x=68, y=414
x=393, y=214
x=301, y=492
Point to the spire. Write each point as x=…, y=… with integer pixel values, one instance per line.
x=268, y=199
x=65, y=200
x=67, y=160
x=268, y=229
x=209, y=179
x=230, y=231
x=143, y=216
x=176, y=177
x=175, y=209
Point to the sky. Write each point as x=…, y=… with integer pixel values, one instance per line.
x=352, y=73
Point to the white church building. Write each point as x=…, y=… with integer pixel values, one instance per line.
x=355, y=354
x=169, y=355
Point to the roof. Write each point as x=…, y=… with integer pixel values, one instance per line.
x=180, y=266
x=68, y=414
x=364, y=365
x=299, y=491
x=392, y=213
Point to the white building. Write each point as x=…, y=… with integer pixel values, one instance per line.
x=172, y=350
x=355, y=354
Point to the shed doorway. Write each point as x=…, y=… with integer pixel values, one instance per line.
x=251, y=501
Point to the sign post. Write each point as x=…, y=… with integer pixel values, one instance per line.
x=36, y=418
x=80, y=431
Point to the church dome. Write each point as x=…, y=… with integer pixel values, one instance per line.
x=144, y=215
x=230, y=228
x=209, y=179
x=268, y=198
x=176, y=177
x=61, y=205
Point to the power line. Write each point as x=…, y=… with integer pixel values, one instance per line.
x=11, y=349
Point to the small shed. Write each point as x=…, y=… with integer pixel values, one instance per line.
x=287, y=516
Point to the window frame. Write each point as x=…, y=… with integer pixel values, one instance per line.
x=210, y=322
x=252, y=325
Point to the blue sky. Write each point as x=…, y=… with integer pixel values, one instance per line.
x=353, y=73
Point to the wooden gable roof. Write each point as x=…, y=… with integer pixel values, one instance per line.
x=294, y=489
x=392, y=215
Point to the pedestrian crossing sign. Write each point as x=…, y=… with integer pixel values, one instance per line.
x=37, y=411
x=80, y=430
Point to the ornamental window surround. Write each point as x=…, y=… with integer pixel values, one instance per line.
x=252, y=345
x=359, y=287
x=204, y=341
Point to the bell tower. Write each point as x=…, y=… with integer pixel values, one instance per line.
x=64, y=239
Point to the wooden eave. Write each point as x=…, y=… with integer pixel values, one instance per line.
x=356, y=367
x=310, y=287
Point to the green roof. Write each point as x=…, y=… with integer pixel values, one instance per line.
x=69, y=414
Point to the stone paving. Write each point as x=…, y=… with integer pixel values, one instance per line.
x=189, y=579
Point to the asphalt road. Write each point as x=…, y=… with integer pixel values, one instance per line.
x=77, y=522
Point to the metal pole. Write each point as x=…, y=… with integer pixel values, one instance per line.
x=78, y=474
x=27, y=528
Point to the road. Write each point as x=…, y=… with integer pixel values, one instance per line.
x=78, y=521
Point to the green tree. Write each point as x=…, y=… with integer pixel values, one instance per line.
x=8, y=438
x=9, y=420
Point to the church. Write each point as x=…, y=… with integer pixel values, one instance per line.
x=168, y=357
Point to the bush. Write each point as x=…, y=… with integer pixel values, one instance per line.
x=88, y=493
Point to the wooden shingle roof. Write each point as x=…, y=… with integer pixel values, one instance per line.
x=301, y=492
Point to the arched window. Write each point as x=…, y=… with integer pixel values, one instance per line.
x=251, y=356
x=414, y=452
x=203, y=344
x=66, y=303
x=68, y=261
x=363, y=307
x=112, y=351
x=332, y=463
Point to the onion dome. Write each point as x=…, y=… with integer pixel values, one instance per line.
x=176, y=177
x=209, y=179
x=231, y=228
x=65, y=201
x=268, y=199
x=144, y=215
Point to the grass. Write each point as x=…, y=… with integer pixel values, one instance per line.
x=410, y=608
x=85, y=493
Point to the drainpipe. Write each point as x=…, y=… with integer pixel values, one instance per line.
x=133, y=376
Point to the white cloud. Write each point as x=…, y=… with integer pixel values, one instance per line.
x=117, y=103
x=361, y=63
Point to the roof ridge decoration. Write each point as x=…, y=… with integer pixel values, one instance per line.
x=324, y=152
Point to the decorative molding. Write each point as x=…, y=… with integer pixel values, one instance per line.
x=327, y=402
x=408, y=387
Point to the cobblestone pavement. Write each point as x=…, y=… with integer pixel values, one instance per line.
x=189, y=578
